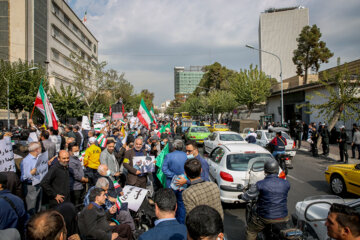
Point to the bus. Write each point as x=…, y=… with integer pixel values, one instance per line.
x=185, y=115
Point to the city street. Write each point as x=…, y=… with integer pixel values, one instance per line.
x=306, y=179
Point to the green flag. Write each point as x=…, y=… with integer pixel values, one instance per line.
x=159, y=163
x=162, y=129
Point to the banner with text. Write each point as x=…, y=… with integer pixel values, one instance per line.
x=41, y=168
x=7, y=163
x=134, y=196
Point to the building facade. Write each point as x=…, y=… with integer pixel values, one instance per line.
x=278, y=31
x=46, y=32
x=186, y=80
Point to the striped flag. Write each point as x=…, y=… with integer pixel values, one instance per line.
x=116, y=184
x=144, y=115
x=118, y=203
x=153, y=116
x=102, y=140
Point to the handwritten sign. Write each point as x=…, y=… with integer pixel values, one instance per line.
x=134, y=196
x=41, y=168
x=144, y=164
x=85, y=124
x=98, y=117
x=7, y=163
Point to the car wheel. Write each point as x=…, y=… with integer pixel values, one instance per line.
x=337, y=185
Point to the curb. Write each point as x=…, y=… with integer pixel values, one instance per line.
x=306, y=151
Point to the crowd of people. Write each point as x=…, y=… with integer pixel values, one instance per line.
x=77, y=197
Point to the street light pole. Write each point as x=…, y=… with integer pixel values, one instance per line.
x=8, y=93
x=282, y=89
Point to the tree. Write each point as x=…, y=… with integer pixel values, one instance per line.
x=341, y=100
x=89, y=79
x=23, y=85
x=195, y=106
x=310, y=52
x=221, y=101
x=215, y=77
x=250, y=87
x=66, y=102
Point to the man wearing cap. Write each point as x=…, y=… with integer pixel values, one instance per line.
x=92, y=161
x=343, y=145
x=107, y=157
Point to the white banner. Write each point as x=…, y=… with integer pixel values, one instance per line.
x=41, y=168
x=7, y=163
x=98, y=117
x=85, y=124
x=134, y=196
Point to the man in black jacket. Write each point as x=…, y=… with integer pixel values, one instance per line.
x=56, y=182
x=343, y=145
x=94, y=221
x=325, y=139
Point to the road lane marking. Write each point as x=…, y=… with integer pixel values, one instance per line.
x=296, y=179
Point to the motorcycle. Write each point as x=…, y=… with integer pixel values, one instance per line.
x=282, y=230
x=284, y=159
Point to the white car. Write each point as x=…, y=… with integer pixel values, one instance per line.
x=311, y=214
x=219, y=138
x=233, y=166
x=263, y=137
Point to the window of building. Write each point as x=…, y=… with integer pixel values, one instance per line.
x=94, y=48
x=66, y=20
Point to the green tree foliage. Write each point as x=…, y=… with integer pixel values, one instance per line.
x=23, y=85
x=195, y=106
x=311, y=52
x=221, y=101
x=66, y=102
x=215, y=77
x=250, y=87
x=342, y=97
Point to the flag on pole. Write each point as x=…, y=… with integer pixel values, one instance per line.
x=144, y=115
x=153, y=116
x=162, y=129
x=85, y=17
x=159, y=162
x=42, y=102
x=110, y=111
x=118, y=203
x=123, y=110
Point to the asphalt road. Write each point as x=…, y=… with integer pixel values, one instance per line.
x=306, y=179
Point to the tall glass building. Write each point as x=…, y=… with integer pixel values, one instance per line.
x=186, y=80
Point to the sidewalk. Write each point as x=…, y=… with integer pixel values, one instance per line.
x=334, y=154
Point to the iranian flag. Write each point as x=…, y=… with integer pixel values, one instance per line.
x=118, y=203
x=116, y=184
x=144, y=115
x=102, y=140
x=153, y=116
x=43, y=104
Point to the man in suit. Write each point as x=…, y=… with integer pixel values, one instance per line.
x=166, y=227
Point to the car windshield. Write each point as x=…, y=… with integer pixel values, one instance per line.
x=271, y=135
x=200, y=129
x=240, y=161
x=220, y=126
x=231, y=137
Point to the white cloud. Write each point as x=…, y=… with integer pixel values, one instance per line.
x=146, y=39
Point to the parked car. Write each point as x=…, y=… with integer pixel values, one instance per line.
x=185, y=125
x=219, y=138
x=343, y=178
x=310, y=214
x=264, y=137
x=219, y=127
x=197, y=133
x=233, y=166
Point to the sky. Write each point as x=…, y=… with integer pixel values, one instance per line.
x=146, y=39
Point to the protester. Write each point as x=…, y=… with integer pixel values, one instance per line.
x=192, y=151
x=12, y=210
x=356, y=142
x=325, y=139
x=251, y=137
x=166, y=227
x=69, y=132
x=200, y=192
x=55, y=138
x=92, y=160
x=31, y=193
x=47, y=145
x=343, y=222
x=173, y=167
x=314, y=139
x=107, y=157
x=56, y=182
x=46, y=225
x=94, y=222
x=343, y=145
x=77, y=177
x=134, y=176
x=204, y=222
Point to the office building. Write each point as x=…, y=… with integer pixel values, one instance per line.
x=186, y=80
x=46, y=32
x=278, y=31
